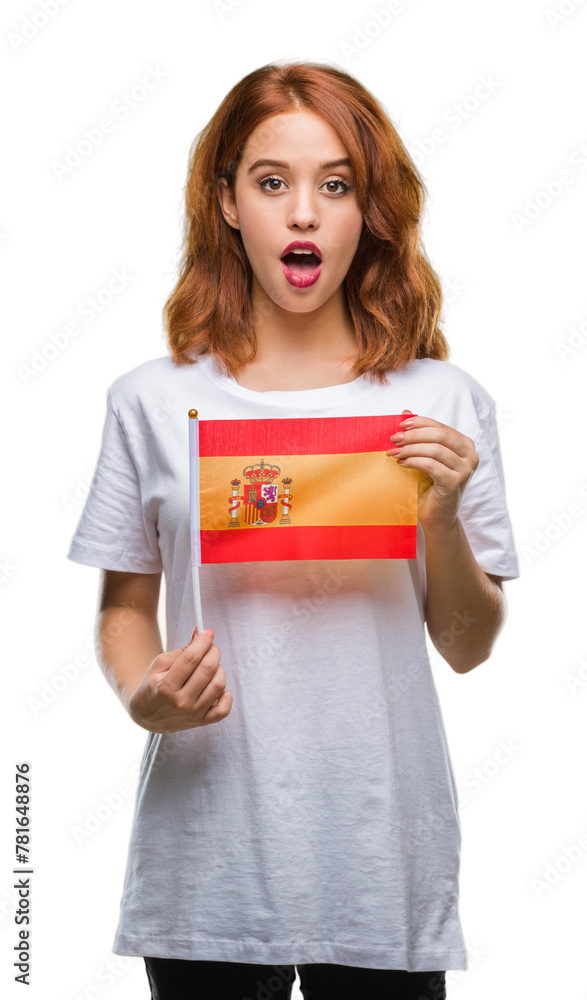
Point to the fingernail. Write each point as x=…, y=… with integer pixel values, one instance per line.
x=209, y=631
x=406, y=423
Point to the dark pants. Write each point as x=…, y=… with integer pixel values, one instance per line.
x=179, y=979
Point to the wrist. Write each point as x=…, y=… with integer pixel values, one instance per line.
x=130, y=699
x=442, y=533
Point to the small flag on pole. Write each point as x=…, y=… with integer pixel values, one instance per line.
x=300, y=488
x=193, y=424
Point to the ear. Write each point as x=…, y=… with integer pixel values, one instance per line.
x=227, y=203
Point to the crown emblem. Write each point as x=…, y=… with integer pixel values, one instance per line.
x=261, y=473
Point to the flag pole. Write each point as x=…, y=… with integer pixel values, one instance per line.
x=196, y=555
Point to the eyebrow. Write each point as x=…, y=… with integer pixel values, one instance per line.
x=345, y=161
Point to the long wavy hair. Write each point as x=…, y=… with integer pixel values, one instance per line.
x=394, y=297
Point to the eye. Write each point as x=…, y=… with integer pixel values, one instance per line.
x=264, y=181
x=337, y=180
x=333, y=180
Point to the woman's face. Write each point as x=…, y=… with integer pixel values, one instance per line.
x=304, y=195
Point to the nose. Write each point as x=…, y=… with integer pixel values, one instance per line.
x=303, y=209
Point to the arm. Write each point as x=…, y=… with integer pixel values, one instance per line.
x=127, y=631
x=164, y=692
x=465, y=607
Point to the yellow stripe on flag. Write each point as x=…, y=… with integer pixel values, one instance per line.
x=352, y=489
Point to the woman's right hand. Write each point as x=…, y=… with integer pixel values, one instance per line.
x=182, y=689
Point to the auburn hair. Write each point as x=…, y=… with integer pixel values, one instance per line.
x=394, y=297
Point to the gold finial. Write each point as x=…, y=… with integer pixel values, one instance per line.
x=193, y=413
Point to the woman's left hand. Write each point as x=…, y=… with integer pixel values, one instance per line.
x=446, y=457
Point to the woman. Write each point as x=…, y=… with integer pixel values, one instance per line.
x=306, y=814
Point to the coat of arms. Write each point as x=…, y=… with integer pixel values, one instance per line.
x=260, y=498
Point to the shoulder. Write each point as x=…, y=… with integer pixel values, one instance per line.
x=443, y=378
x=149, y=385
x=445, y=375
x=133, y=384
x=443, y=391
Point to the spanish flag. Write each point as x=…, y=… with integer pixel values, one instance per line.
x=303, y=488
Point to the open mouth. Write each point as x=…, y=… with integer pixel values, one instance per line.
x=301, y=262
x=301, y=266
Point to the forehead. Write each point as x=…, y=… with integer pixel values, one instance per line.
x=301, y=137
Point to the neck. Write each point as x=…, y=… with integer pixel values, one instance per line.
x=322, y=335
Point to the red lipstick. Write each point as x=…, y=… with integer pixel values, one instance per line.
x=306, y=271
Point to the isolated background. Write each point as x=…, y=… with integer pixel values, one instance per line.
x=507, y=239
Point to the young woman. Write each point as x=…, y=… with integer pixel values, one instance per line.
x=296, y=803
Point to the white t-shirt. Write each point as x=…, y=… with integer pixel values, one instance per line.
x=318, y=822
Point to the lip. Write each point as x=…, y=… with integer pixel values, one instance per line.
x=302, y=245
x=298, y=280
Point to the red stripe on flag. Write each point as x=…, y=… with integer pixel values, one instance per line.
x=297, y=435
x=388, y=541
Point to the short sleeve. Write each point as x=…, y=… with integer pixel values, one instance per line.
x=483, y=511
x=113, y=531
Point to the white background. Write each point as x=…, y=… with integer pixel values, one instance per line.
x=508, y=243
